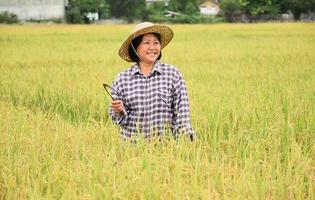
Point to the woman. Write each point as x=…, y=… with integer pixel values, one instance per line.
x=150, y=97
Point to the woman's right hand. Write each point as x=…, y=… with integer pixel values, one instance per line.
x=117, y=106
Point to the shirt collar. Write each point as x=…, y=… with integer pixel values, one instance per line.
x=156, y=68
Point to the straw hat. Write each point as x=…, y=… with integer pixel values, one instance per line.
x=165, y=32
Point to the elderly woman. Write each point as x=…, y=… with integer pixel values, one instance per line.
x=150, y=97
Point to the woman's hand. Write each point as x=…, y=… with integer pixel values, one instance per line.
x=117, y=106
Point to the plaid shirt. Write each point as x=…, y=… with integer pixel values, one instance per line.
x=153, y=104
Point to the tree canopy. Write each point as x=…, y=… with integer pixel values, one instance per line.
x=131, y=10
x=77, y=10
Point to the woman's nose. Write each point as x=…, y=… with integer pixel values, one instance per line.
x=152, y=46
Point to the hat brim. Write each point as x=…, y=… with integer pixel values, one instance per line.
x=165, y=32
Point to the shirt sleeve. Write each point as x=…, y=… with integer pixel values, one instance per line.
x=120, y=119
x=181, y=117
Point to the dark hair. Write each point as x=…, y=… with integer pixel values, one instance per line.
x=136, y=42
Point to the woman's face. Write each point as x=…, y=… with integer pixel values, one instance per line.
x=149, y=48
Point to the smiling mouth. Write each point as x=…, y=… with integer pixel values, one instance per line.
x=152, y=53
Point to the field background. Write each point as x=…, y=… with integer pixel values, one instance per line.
x=252, y=98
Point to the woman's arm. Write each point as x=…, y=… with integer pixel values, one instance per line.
x=181, y=114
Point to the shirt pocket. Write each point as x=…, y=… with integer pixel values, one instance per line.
x=164, y=98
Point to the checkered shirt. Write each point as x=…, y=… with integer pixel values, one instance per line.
x=154, y=104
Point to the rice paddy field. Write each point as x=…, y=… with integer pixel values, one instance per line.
x=252, y=101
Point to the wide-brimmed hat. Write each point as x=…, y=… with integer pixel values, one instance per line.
x=165, y=32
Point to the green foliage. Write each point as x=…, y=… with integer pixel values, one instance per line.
x=300, y=6
x=77, y=10
x=265, y=7
x=132, y=10
x=8, y=18
x=54, y=20
x=128, y=9
x=74, y=16
x=230, y=8
x=259, y=7
x=156, y=13
x=188, y=7
x=196, y=19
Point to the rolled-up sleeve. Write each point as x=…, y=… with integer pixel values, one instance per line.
x=181, y=117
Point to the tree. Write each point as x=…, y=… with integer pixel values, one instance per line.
x=128, y=9
x=230, y=8
x=260, y=7
x=275, y=7
x=188, y=7
x=155, y=12
x=301, y=6
x=77, y=10
x=285, y=5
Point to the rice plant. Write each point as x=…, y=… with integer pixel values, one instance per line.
x=251, y=90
